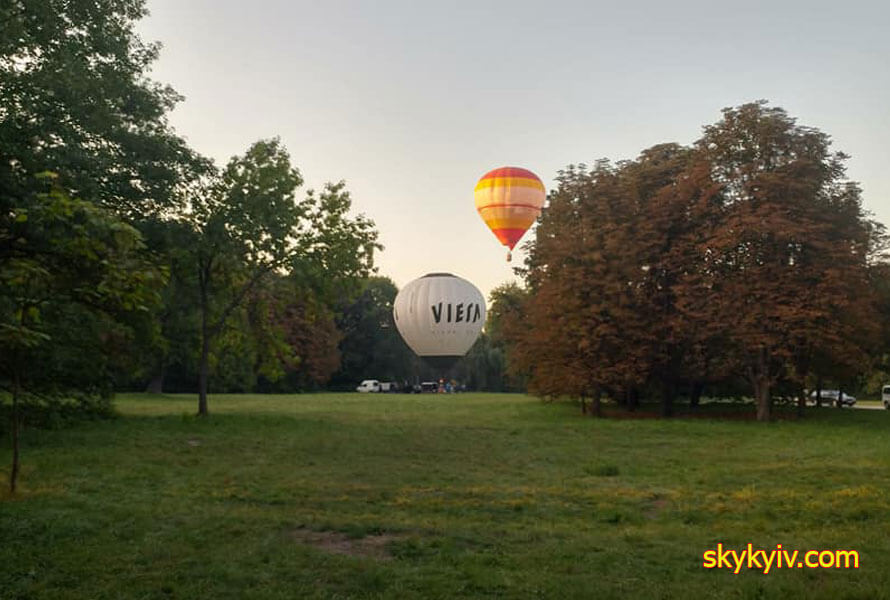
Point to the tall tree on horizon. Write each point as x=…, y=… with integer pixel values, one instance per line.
x=784, y=262
x=250, y=225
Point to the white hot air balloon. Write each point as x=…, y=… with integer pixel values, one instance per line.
x=439, y=316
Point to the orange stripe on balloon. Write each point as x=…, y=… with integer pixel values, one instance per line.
x=508, y=205
x=494, y=220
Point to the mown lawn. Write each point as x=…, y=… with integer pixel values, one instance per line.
x=476, y=495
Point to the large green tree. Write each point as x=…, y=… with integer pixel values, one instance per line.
x=75, y=99
x=68, y=270
x=250, y=225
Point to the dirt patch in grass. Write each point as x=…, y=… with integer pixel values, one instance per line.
x=370, y=546
x=656, y=505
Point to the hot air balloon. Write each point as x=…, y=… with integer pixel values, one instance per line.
x=439, y=316
x=509, y=200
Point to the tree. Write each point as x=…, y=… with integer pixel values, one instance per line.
x=554, y=340
x=75, y=99
x=784, y=263
x=747, y=254
x=600, y=282
x=249, y=226
x=371, y=347
x=166, y=339
x=298, y=337
x=490, y=365
x=68, y=269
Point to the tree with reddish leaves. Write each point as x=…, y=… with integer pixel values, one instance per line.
x=782, y=265
x=589, y=318
x=744, y=255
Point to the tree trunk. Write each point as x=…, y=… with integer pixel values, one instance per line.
x=204, y=367
x=668, y=391
x=583, y=405
x=801, y=402
x=156, y=384
x=764, y=401
x=759, y=376
x=14, y=472
x=623, y=398
x=597, y=404
x=202, y=375
x=695, y=394
x=634, y=400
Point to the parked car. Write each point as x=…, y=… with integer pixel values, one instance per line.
x=885, y=396
x=429, y=386
x=835, y=397
x=369, y=385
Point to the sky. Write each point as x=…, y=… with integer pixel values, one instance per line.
x=410, y=102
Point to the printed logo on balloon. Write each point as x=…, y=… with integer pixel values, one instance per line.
x=439, y=316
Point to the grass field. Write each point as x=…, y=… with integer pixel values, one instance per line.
x=466, y=496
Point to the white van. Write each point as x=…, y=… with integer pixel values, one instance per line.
x=835, y=397
x=885, y=396
x=369, y=385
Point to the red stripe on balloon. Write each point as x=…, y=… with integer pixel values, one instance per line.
x=509, y=237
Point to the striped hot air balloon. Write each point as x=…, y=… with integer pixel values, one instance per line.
x=509, y=200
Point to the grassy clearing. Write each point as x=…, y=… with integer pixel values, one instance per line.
x=476, y=495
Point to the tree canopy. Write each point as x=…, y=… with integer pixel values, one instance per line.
x=747, y=254
x=75, y=98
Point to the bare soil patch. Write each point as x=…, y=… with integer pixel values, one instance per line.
x=370, y=546
x=656, y=505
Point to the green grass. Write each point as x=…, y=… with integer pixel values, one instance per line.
x=485, y=495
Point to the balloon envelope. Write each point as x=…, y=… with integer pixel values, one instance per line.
x=509, y=199
x=439, y=316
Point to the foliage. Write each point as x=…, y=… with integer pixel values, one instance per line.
x=250, y=226
x=485, y=367
x=296, y=337
x=745, y=255
x=371, y=347
x=75, y=99
x=68, y=271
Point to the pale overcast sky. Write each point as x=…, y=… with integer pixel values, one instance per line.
x=411, y=102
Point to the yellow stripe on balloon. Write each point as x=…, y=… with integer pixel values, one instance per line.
x=509, y=182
